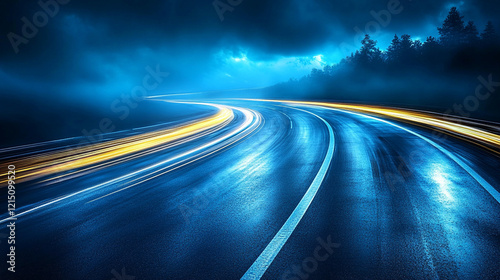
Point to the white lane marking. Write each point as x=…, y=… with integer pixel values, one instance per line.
x=291, y=123
x=489, y=188
x=270, y=108
x=249, y=118
x=267, y=256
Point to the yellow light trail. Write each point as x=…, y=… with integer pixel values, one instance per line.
x=252, y=120
x=465, y=131
x=54, y=162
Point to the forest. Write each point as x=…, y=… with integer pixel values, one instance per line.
x=437, y=74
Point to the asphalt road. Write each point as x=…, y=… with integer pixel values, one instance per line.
x=280, y=191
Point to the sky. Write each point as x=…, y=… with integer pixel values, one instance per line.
x=103, y=48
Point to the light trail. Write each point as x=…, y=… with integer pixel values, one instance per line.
x=251, y=122
x=487, y=186
x=34, y=166
x=462, y=130
x=93, y=168
x=50, y=163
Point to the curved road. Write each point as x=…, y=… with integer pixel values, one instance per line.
x=272, y=191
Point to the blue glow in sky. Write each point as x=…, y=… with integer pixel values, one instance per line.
x=87, y=51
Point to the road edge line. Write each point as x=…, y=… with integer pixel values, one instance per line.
x=262, y=263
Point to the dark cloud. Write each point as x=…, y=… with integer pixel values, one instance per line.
x=105, y=45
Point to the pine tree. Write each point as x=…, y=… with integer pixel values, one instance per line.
x=369, y=51
x=317, y=74
x=328, y=70
x=406, y=48
x=452, y=31
x=471, y=33
x=430, y=45
x=489, y=35
x=431, y=53
x=406, y=42
x=417, y=47
x=393, y=49
x=368, y=45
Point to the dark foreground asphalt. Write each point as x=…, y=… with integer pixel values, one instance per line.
x=390, y=206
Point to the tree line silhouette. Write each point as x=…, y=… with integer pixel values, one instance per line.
x=459, y=47
x=410, y=71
